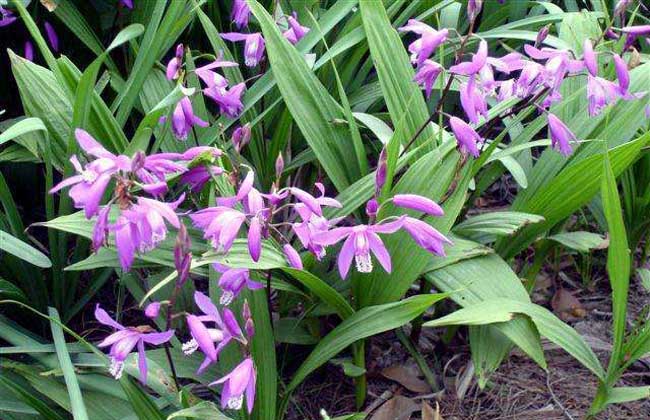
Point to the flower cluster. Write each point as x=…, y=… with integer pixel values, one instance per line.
x=536, y=75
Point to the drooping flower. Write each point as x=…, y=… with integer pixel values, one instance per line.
x=253, y=46
x=100, y=230
x=426, y=236
x=125, y=339
x=560, y=135
x=429, y=40
x=427, y=74
x=52, y=36
x=241, y=136
x=210, y=77
x=528, y=80
x=418, y=203
x=240, y=13
x=6, y=17
x=142, y=227
x=220, y=225
x=218, y=330
x=360, y=240
x=623, y=76
x=183, y=119
x=90, y=183
x=198, y=176
x=466, y=136
x=292, y=256
x=228, y=100
x=589, y=57
x=237, y=383
x=296, y=31
x=600, y=93
x=173, y=67
x=233, y=281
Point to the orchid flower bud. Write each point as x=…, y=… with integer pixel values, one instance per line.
x=381, y=173
x=371, y=208
x=279, y=165
x=152, y=310
x=241, y=136
x=182, y=254
x=292, y=256
x=542, y=34
x=138, y=161
x=473, y=9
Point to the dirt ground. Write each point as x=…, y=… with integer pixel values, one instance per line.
x=519, y=389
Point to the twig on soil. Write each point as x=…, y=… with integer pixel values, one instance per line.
x=555, y=399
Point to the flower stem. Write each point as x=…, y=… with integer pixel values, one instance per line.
x=168, y=326
x=360, y=382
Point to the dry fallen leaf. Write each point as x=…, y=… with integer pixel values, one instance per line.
x=408, y=376
x=429, y=413
x=397, y=408
x=567, y=306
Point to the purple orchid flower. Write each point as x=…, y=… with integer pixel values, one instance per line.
x=240, y=13
x=241, y=136
x=100, y=230
x=52, y=36
x=418, y=203
x=429, y=40
x=174, y=66
x=427, y=74
x=292, y=256
x=211, y=78
x=296, y=31
x=126, y=339
x=233, y=281
x=142, y=227
x=253, y=46
x=183, y=119
x=589, y=58
x=560, y=135
x=426, y=236
x=241, y=380
x=198, y=176
x=29, y=51
x=220, y=225
x=466, y=136
x=6, y=17
x=623, y=76
x=529, y=79
x=89, y=185
x=228, y=100
x=222, y=331
x=600, y=94
x=360, y=240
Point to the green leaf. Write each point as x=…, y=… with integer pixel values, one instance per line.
x=625, y=394
x=486, y=227
x=69, y=374
x=85, y=87
x=11, y=291
x=618, y=261
x=28, y=397
x=24, y=251
x=580, y=241
x=462, y=249
x=292, y=331
x=323, y=290
x=362, y=324
x=202, y=410
x=142, y=404
x=348, y=366
x=312, y=107
x=571, y=189
x=481, y=279
x=22, y=127
x=403, y=97
x=549, y=326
